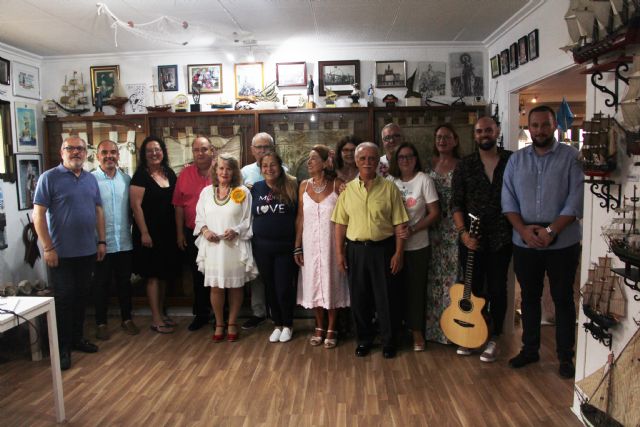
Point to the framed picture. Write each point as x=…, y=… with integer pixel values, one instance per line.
x=26, y=127
x=391, y=74
x=504, y=61
x=29, y=168
x=107, y=77
x=292, y=100
x=513, y=56
x=495, y=66
x=249, y=79
x=339, y=76
x=533, y=45
x=523, y=50
x=26, y=80
x=291, y=74
x=5, y=71
x=209, y=76
x=168, y=78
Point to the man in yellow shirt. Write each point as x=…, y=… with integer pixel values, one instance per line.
x=371, y=217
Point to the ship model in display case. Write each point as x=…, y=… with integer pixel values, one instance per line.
x=599, y=150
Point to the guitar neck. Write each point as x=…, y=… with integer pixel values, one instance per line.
x=468, y=274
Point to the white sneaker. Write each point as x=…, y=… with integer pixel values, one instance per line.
x=275, y=335
x=490, y=352
x=286, y=334
x=463, y=351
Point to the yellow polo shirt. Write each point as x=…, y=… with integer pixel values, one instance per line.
x=370, y=215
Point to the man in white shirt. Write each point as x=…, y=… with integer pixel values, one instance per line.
x=391, y=139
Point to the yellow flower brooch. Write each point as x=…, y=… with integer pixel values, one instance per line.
x=237, y=195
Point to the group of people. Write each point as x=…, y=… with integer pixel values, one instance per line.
x=384, y=236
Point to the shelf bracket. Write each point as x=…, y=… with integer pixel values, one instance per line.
x=614, y=95
x=599, y=333
x=601, y=188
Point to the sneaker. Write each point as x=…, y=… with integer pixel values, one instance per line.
x=102, y=332
x=129, y=327
x=463, y=351
x=523, y=359
x=490, y=352
x=275, y=335
x=286, y=334
x=253, y=322
x=567, y=369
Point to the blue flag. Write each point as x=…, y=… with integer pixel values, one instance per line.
x=564, y=116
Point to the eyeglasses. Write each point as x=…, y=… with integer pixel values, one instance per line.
x=443, y=137
x=388, y=138
x=406, y=158
x=261, y=147
x=72, y=148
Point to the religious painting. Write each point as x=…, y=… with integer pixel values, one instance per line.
x=513, y=56
x=523, y=50
x=533, y=45
x=29, y=168
x=26, y=127
x=338, y=76
x=466, y=69
x=207, y=76
x=106, y=78
x=291, y=74
x=249, y=79
x=504, y=61
x=167, y=78
x=391, y=74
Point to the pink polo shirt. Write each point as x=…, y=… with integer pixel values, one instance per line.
x=188, y=188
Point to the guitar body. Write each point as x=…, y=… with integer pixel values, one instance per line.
x=462, y=322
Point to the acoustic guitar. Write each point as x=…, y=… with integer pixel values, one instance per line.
x=462, y=321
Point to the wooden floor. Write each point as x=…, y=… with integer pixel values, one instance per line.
x=186, y=380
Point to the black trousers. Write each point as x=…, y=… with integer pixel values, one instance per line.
x=560, y=265
x=71, y=281
x=114, y=267
x=201, y=302
x=374, y=290
x=489, y=281
x=278, y=271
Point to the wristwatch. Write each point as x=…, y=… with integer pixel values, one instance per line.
x=550, y=231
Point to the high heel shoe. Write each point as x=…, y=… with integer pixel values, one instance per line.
x=316, y=339
x=232, y=337
x=218, y=338
x=331, y=342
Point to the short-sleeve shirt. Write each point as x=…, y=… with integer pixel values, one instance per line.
x=71, y=210
x=251, y=173
x=187, y=192
x=117, y=210
x=372, y=214
x=416, y=194
x=272, y=219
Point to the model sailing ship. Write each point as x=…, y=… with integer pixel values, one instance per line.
x=622, y=235
x=599, y=150
x=155, y=108
x=602, y=298
x=73, y=99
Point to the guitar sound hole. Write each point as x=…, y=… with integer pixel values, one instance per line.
x=465, y=305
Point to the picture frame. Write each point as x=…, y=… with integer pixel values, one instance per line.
x=339, y=76
x=107, y=77
x=7, y=167
x=504, y=61
x=28, y=169
x=26, y=127
x=26, y=80
x=292, y=100
x=249, y=78
x=5, y=71
x=208, y=75
x=513, y=56
x=291, y=74
x=167, y=78
x=523, y=50
x=495, y=66
x=391, y=74
x=534, y=48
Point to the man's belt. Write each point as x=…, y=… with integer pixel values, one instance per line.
x=371, y=242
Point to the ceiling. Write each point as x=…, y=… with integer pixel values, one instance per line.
x=73, y=27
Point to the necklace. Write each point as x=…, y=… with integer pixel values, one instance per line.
x=318, y=188
x=221, y=201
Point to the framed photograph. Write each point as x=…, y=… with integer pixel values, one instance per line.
x=26, y=80
x=107, y=77
x=292, y=100
x=209, y=76
x=533, y=45
x=466, y=71
x=504, y=61
x=513, y=56
x=523, y=50
x=290, y=74
x=495, y=66
x=168, y=78
x=26, y=127
x=391, y=73
x=28, y=168
x=5, y=71
x=249, y=79
x=339, y=76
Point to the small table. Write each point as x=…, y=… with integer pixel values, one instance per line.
x=30, y=308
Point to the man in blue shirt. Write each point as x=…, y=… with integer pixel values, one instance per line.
x=67, y=213
x=542, y=197
x=114, y=191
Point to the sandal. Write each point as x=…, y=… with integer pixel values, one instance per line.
x=316, y=338
x=162, y=329
x=169, y=321
x=218, y=338
x=331, y=342
x=232, y=336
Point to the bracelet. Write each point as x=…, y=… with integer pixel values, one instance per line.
x=297, y=251
x=102, y=242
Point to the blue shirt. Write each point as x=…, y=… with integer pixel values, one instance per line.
x=272, y=219
x=542, y=187
x=117, y=212
x=71, y=210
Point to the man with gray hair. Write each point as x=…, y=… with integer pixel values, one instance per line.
x=67, y=213
x=391, y=140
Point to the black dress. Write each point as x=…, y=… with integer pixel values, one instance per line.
x=162, y=260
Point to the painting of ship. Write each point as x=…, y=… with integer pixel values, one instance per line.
x=622, y=235
x=74, y=99
x=602, y=298
x=599, y=150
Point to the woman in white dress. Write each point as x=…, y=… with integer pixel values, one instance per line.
x=223, y=222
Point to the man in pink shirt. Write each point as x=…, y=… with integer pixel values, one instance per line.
x=191, y=181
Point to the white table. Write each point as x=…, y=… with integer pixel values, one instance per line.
x=30, y=308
